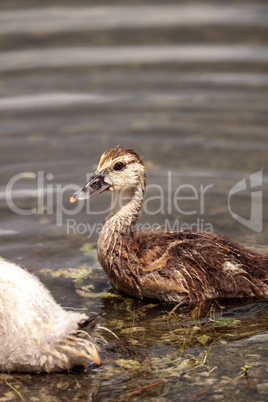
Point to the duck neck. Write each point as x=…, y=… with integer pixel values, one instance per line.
x=125, y=207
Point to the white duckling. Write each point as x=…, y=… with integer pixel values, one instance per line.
x=36, y=333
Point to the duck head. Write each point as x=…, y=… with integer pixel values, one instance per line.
x=120, y=169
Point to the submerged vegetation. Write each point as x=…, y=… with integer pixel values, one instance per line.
x=164, y=350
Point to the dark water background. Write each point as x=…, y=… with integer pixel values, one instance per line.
x=185, y=84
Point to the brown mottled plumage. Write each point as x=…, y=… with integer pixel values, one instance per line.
x=184, y=266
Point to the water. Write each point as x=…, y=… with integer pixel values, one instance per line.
x=185, y=84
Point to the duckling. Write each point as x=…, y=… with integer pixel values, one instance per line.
x=184, y=266
x=36, y=333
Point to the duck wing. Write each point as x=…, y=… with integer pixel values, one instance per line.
x=189, y=266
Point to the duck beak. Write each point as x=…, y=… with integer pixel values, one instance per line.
x=94, y=186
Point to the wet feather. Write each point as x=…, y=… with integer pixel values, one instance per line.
x=36, y=333
x=184, y=266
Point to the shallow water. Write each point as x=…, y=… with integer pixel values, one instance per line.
x=185, y=84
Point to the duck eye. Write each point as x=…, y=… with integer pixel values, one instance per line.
x=119, y=166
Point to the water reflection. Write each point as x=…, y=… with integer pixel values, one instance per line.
x=184, y=84
x=142, y=55
x=69, y=19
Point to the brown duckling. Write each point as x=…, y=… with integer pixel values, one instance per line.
x=36, y=333
x=184, y=266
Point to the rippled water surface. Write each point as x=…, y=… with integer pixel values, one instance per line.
x=185, y=84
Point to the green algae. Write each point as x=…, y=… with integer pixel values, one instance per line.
x=90, y=250
x=72, y=273
x=128, y=364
